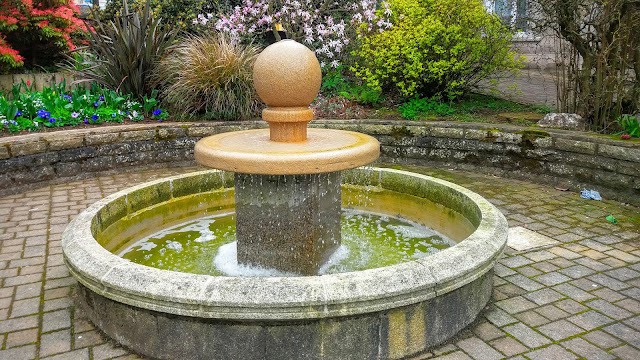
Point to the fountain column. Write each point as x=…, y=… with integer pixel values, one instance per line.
x=287, y=178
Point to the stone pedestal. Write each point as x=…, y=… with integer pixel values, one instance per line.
x=287, y=222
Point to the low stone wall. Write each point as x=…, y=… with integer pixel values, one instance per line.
x=560, y=158
x=37, y=80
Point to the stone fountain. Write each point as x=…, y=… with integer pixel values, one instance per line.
x=287, y=203
x=287, y=178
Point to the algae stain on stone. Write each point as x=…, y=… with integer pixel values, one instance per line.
x=397, y=337
x=398, y=132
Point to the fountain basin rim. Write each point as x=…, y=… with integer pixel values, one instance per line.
x=251, y=152
x=280, y=298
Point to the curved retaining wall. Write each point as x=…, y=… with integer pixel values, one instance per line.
x=560, y=158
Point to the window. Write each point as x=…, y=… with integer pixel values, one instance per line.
x=512, y=12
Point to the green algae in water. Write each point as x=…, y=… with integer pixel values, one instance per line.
x=369, y=240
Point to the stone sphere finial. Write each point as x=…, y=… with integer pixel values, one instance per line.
x=287, y=74
x=287, y=78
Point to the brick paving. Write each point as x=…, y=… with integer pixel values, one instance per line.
x=578, y=299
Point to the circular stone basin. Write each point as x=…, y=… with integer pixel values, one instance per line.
x=389, y=312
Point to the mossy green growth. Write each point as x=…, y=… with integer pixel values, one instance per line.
x=399, y=132
x=147, y=196
x=110, y=213
x=433, y=192
x=533, y=134
x=492, y=134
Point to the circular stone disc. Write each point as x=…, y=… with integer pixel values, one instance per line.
x=251, y=152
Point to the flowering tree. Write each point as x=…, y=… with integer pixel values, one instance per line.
x=37, y=32
x=326, y=26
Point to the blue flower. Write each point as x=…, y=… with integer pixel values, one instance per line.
x=75, y=115
x=94, y=117
x=13, y=122
x=52, y=120
x=157, y=112
x=66, y=97
x=86, y=121
x=101, y=98
x=19, y=113
x=96, y=103
x=43, y=113
x=113, y=115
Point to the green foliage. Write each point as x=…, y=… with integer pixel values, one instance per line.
x=122, y=53
x=630, y=125
x=181, y=13
x=421, y=106
x=31, y=110
x=469, y=108
x=435, y=48
x=210, y=75
x=336, y=83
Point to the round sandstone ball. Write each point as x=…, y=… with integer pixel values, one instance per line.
x=287, y=74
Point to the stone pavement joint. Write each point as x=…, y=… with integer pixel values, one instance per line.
x=576, y=299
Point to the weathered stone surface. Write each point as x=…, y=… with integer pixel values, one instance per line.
x=4, y=152
x=202, y=131
x=181, y=143
x=64, y=141
x=619, y=152
x=543, y=142
x=29, y=147
x=99, y=164
x=475, y=134
x=92, y=139
x=588, y=161
x=613, y=180
x=138, y=135
x=454, y=133
x=564, y=121
x=68, y=169
x=628, y=168
x=72, y=155
x=172, y=132
x=576, y=146
x=34, y=175
x=136, y=158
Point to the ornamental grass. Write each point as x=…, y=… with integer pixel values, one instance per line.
x=209, y=76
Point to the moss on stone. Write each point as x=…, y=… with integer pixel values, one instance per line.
x=147, y=196
x=398, y=132
x=111, y=213
x=533, y=134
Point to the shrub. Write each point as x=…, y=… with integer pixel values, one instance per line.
x=209, y=74
x=182, y=13
x=335, y=83
x=37, y=33
x=326, y=26
x=9, y=57
x=123, y=53
x=435, y=47
x=420, y=106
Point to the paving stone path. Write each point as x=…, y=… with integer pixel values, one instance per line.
x=578, y=299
